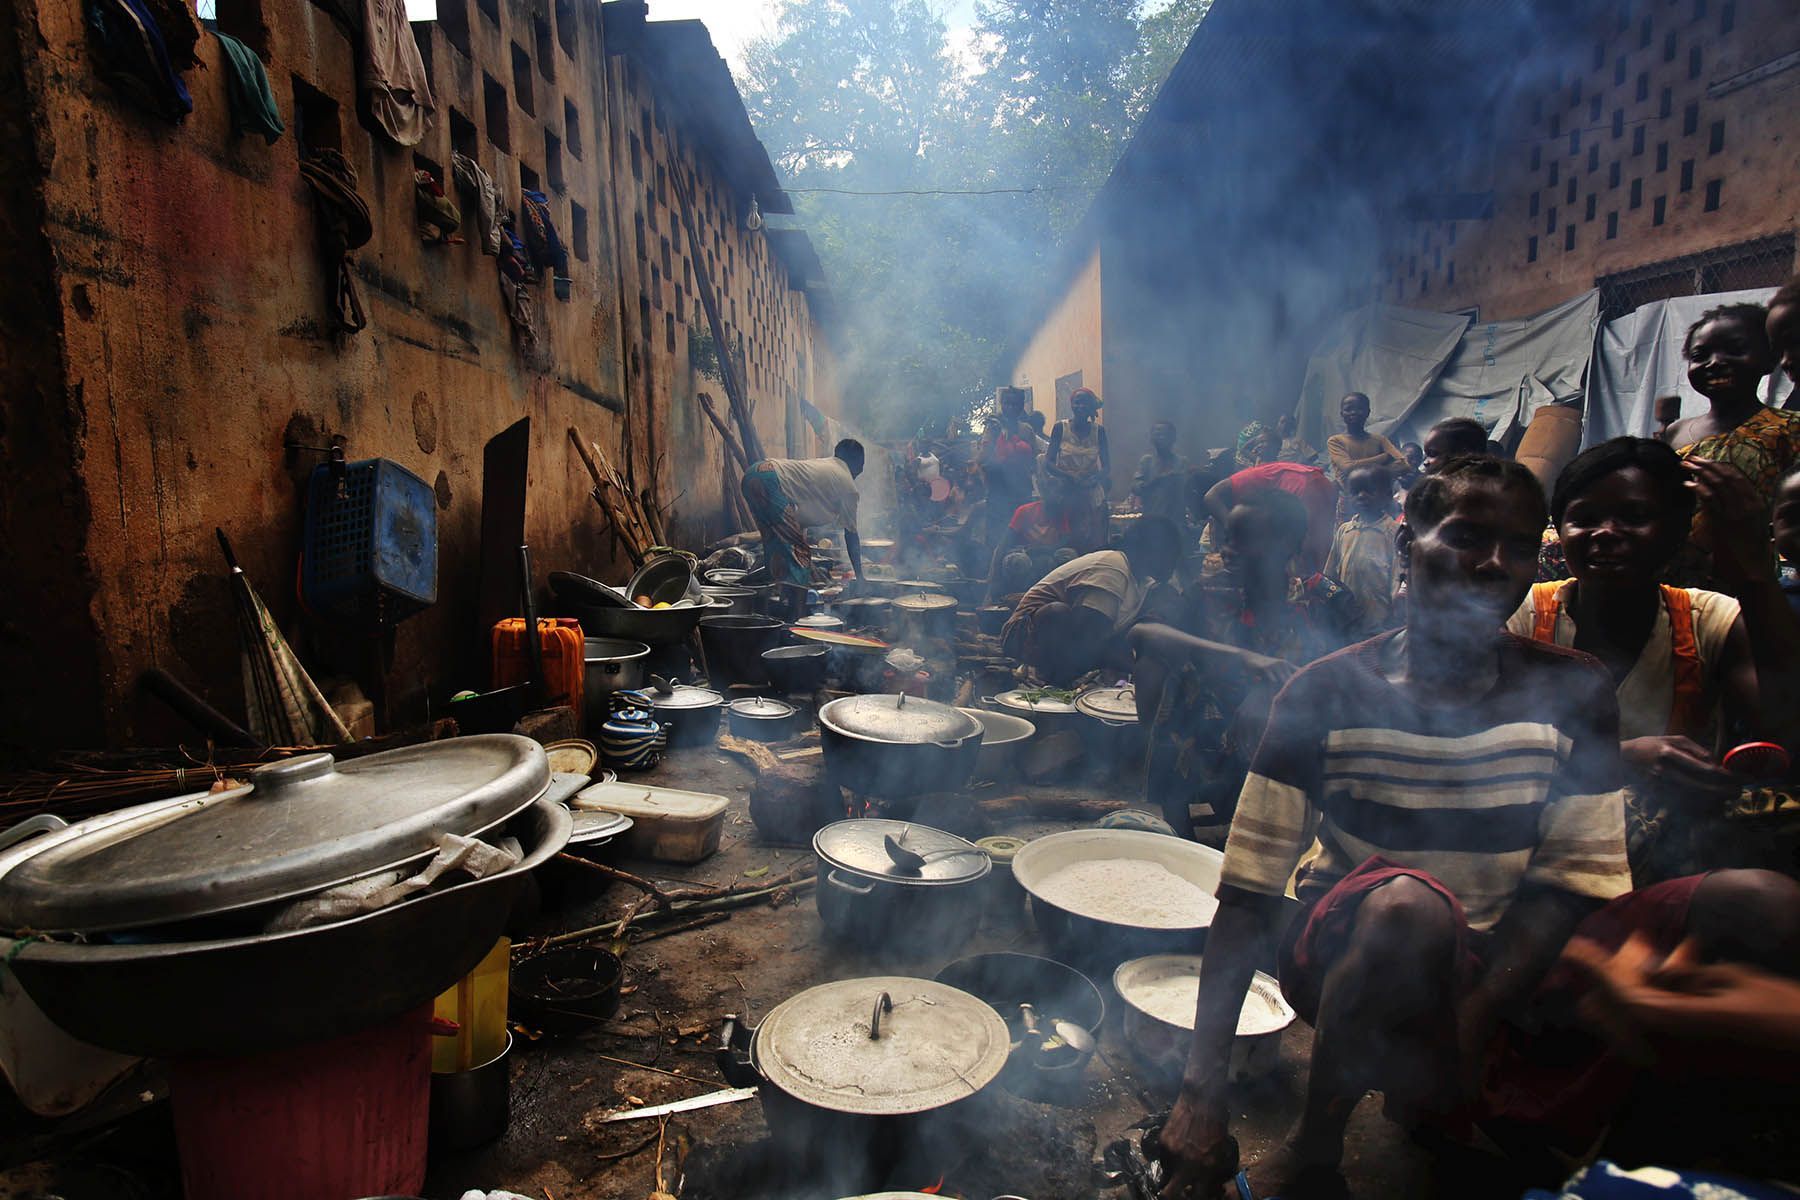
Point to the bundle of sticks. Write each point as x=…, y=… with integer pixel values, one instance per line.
x=637, y=525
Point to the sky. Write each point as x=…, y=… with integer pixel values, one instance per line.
x=734, y=23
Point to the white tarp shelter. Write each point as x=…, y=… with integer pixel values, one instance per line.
x=1639, y=358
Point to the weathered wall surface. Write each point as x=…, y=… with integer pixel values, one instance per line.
x=166, y=332
x=767, y=327
x=1645, y=146
x=1067, y=342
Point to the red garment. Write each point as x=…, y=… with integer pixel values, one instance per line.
x=1008, y=446
x=1562, y=1080
x=1034, y=527
x=1309, y=485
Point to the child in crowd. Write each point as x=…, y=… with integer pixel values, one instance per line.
x=1363, y=555
x=1294, y=448
x=1356, y=446
x=1729, y=353
x=1453, y=437
x=1787, y=537
x=1415, y=463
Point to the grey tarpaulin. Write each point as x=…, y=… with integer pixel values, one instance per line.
x=1419, y=367
x=1390, y=354
x=1639, y=358
x=1504, y=371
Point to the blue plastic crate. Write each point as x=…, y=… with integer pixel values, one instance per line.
x=370, y=533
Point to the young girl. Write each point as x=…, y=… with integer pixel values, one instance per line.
x=1686, y=662
x=1728, y=354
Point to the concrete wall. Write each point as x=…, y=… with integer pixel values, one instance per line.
x=166, y=333
x=1068, y=341
x=1589, y=159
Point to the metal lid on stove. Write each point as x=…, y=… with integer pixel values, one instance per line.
x=765, y=708
x=299, y=826
x=857, y=846
x=921, y=602
x=841, y=1047
x=1110, y=703
x=685, y=696
x=1030, y=700
x=899, y=719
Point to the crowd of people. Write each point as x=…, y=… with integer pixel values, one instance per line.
x=1514, y=756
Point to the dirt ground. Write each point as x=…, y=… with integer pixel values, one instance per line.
x=677, y=989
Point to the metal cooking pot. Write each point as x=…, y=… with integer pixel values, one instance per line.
x=1111, y=733
x=866, y=899
x=1057, y=992
x=737, y=599
x=1003, y=738
x=764, y=719
x=1159, y=994
x=689, y=714
x=859, y=1075
x=734, y=646
x=929, y=614
x=796, y=669
x=609, y=665
x=898, y=747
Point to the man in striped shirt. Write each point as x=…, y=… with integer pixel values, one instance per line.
x=1462, y=785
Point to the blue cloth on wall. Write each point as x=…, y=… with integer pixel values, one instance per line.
x=134, y=58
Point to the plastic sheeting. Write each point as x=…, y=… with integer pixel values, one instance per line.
x=1420, y=367
x=1504, y=371
x=1391, y=354
x=1639, y=359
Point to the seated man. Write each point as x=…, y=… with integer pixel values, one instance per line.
x=1068, y=622
x=1203, y=690
x=1463, y=787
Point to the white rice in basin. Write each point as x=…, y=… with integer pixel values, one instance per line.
x=1128, y=891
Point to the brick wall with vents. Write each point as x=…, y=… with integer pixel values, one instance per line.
x=1671, y=137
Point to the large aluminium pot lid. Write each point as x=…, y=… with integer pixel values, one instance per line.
x=686, y=695
x=933, y=1045
x=300, y=826
x=901, y=719
x=1110, y=703
x=857, y=846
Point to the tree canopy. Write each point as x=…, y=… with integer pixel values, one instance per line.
x=1031, y=106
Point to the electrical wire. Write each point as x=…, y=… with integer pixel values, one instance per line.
x=1006, y=191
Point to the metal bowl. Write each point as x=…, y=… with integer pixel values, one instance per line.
x=651, y=626
x=1092, y=938
x=665, y=579
x=1003, y=738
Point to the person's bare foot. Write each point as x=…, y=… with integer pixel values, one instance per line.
x=1296, y=1170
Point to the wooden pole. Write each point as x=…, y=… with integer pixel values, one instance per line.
x=734, y=389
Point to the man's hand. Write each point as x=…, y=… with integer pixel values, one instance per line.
x=1739, y=520
x=1271, y=671
x=1680, y=763
x=1198, y=1156
x=1653, y=1009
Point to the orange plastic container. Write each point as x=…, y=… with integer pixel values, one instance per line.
x=563, y=665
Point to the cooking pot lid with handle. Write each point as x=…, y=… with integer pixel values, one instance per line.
x=856, y=845
x=900, y=719
x=1110, y=703
x=933, y=1045
x=685, y=696
x=1027, y=700
x=299, y=826
x=924, y=602
x=762, y=708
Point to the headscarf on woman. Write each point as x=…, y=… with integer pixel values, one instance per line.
x=1252, y=444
